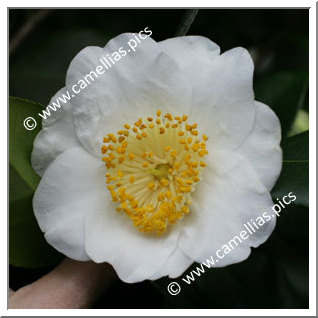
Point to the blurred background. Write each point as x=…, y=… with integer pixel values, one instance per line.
x=42, y=44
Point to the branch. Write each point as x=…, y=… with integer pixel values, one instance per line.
x=186, y=22
x=26, y=29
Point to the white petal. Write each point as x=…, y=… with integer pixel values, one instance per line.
x=175, y=266
x=229, y=195
x=57, y=135
x=188, y=51
x=73, y=185
x=262, y=147
x=222, y=88
x=111, y=237
x=137, y=85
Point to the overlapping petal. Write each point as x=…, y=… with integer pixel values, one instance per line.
x=229, y=196
x=136, y=86
x=57, y=135
x=72, y=186
x=222, y=88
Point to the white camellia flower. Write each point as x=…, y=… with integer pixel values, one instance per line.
x=160, y=161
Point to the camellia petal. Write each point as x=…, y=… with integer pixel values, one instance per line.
x=190, y=50
x=137, y=85
x=134, y=255
x=222, y=88
x=72, y=186
x=57, y=135
x=229, y=196
x=176, y=264
x=262, y=146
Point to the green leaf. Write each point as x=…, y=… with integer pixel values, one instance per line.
x=301, y=123
x=27, y=246
x=295, y=173
x=285, y=93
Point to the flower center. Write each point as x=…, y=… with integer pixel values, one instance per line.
x=153, y=167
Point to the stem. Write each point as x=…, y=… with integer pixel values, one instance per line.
x=186, y=22
x=26, y=29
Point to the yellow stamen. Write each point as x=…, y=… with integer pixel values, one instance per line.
x=152, y=173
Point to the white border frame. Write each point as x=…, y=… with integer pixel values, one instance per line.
x=312, y=155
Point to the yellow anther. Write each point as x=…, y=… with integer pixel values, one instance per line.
x=161, y=130
x=131, y=156
x=205, y=138
x=131, y=179
x=184, y=118
x=144, y=134
x=185, y=209
x=203, y=152
x=104, y=149
x=120, y=174
x=121, y=139
x=158, y=121
x=150, y=119
x=151, y=125
x=164, y=182
x=169, y=116
x=145, y=164
x=161, y=196
x=180, y=133
x=202, y=164
x=135, y=129
x=196, y=179
x=185, y=189
x=127, y=126
x=151, y=186
x=138, y=137
x=158, y=113
x=180, y=180
x=195, y=147
x=167, y=148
